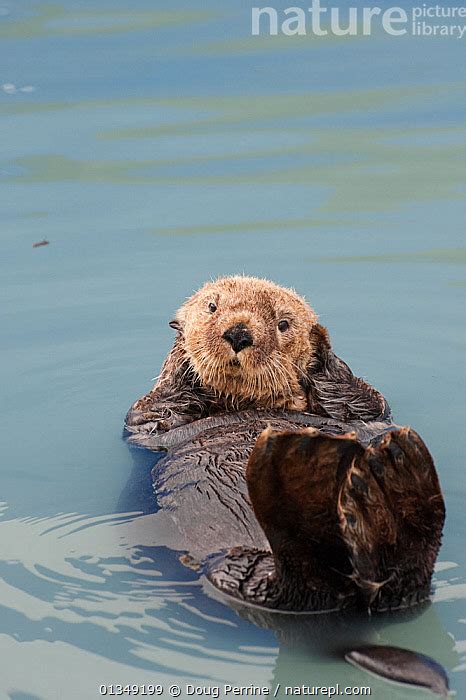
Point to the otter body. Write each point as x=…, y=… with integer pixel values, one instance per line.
x=250, y=355
x=285, y=473
x=201, y=481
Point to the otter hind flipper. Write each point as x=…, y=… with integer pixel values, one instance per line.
x=391, y=513
x=401, y=666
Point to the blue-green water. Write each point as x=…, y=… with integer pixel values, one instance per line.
x=157, y=145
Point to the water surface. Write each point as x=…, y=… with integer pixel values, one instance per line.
x=157, y=147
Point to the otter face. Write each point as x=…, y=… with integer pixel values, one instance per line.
x=249, y=340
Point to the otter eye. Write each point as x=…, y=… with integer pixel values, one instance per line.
x=283, y=326
x=212, y=307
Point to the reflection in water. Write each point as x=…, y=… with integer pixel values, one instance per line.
x=113, y=586
x=101, y=585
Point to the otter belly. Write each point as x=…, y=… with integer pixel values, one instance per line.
x=201, y=481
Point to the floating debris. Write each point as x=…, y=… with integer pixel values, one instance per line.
x=189, y=561
x=39, y=243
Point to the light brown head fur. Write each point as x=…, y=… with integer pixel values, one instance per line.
x=248, y=339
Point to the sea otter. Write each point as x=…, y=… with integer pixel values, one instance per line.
x=286, y=463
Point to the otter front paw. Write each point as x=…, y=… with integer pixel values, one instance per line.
x=152, y=422
x=143, y=421
x=174, y=420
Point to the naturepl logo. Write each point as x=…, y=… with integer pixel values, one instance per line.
x=317, y=20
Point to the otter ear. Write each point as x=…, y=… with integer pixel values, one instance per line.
x=176, y=324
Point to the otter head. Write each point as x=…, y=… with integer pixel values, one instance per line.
x=248, y=339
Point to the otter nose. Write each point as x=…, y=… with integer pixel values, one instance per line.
x=239, y=337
